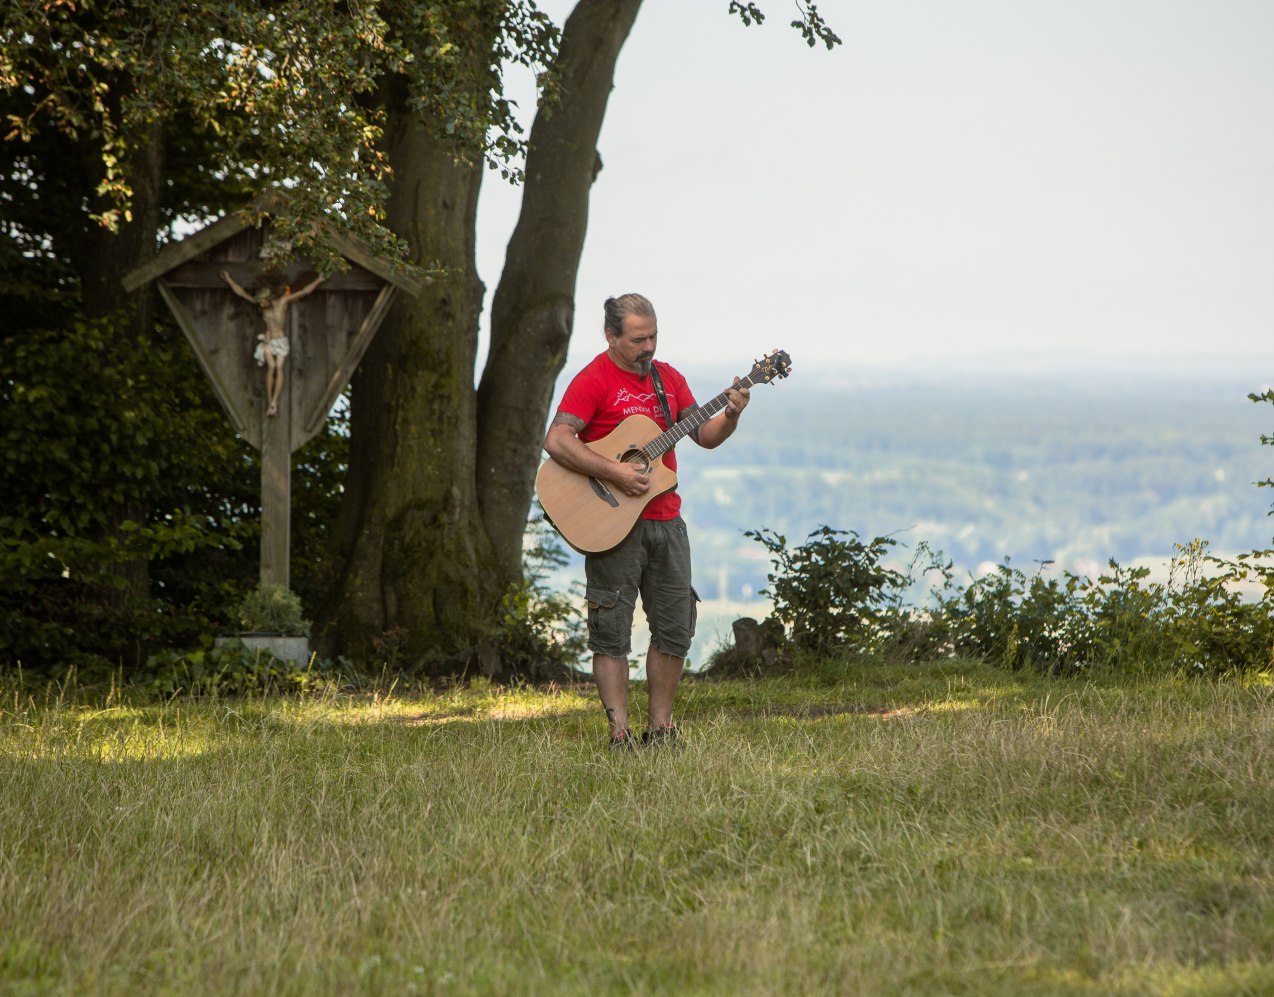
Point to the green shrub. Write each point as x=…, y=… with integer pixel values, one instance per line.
x=129, y=518
x=1214, y=629
x=273, y=609
x=233, y=669
x=832, y=593
x=1019, y=622
x=1195, y=622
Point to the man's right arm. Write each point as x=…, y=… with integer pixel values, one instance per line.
x=564, y=446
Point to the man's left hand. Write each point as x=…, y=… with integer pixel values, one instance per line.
x=736, y=399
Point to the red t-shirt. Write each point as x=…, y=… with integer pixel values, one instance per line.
x=604, y=395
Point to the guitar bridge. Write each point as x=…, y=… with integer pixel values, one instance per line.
x=603, y=492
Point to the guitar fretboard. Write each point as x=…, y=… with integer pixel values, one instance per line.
x=669, y=438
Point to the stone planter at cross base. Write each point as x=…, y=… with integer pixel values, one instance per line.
x=282, y=646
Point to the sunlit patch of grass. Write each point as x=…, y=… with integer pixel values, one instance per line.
x=955, y=705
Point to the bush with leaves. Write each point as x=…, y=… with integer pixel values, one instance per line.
x=98, y=438
x=232, y=669
x=1196, y=622
x=832, y=593
x=1019, y=622
x=130, y=519
x=274, y=609
x=1215, y=629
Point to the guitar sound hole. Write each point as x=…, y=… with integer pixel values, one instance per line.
x=636, y=456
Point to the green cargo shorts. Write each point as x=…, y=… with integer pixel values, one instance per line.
x=655, y=562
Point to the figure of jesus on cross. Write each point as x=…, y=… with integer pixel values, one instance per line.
x=272, y=346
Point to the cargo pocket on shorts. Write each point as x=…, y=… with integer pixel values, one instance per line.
x=602, y=628
x=694, y=611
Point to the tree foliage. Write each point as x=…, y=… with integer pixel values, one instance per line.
x=813, y=28
x=285, y=96
x=282, y=95
x=96, y=423
x=377, y=119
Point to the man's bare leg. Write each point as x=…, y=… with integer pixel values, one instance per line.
x=611, y=676
x=663, y=673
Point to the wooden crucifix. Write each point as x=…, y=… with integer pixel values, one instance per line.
x=273, y=342
x=278, y=345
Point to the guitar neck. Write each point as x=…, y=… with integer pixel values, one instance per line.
x=668, y=439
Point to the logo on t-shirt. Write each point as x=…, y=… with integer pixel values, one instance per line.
x=633, y=403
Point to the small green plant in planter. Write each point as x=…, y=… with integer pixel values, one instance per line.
x=271, y=619
x=273, y=609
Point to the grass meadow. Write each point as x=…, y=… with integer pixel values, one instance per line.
x=942, y=829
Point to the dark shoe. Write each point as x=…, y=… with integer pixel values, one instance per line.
x=623, y=741
x=663, y=735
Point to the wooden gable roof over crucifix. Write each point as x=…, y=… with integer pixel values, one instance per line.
x=328, y=330
x=231, y=308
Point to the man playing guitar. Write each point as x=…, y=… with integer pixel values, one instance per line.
x=654, y=559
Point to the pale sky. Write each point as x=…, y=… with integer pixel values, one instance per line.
x=960, y=178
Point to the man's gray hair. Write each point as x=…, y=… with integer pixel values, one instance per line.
x=618, y=309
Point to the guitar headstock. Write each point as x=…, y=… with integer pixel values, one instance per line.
x=771, y=367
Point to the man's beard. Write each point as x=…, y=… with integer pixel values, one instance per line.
x=644, y=366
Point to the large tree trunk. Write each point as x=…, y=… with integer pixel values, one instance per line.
x=412, y=564
x=533, y=311
x=429, y=538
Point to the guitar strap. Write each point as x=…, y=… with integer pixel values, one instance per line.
x=659, y=392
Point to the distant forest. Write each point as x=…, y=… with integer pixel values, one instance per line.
x=1077, y=468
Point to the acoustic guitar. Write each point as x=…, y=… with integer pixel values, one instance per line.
x=592, y=516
